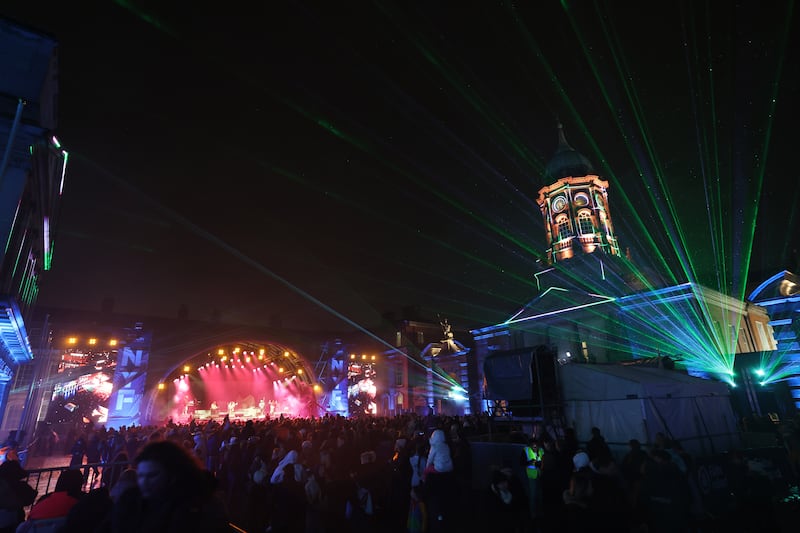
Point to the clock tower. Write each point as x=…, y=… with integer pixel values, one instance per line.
x=575, y=207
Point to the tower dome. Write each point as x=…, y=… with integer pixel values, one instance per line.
x=574, y=204
x=566, y=161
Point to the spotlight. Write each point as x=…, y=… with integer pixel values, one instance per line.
x=220, y=352
x=280, y=369
x=112, y=342
x=286, y=354
x=760, y=372
x=299, y=370
x=92, y=341
x=363, y=356
x=316, y=388
x=187, y=368
x=161, y=386
x=352, y=356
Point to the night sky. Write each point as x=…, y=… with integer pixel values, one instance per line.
x=369, y=156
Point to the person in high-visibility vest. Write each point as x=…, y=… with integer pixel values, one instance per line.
x=533, y=462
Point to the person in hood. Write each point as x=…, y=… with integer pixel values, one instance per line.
x=290, y=457
x=439, y=459
x=439, y=483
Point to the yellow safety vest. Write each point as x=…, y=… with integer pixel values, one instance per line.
x=533, y=457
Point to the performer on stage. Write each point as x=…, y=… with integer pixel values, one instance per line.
x=261, y=405
x=231, y=407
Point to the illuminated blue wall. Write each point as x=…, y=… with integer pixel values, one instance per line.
x=780, y=296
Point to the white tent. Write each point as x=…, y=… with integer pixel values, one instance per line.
x=635, y=402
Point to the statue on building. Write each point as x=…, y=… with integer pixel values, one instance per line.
x=447, y=345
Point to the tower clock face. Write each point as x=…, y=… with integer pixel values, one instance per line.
x=581, y=200
x=559, y=204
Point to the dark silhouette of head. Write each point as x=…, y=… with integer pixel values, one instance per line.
x=166, y=468
x=71, y=482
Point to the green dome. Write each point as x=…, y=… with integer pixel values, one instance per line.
x=566, y=161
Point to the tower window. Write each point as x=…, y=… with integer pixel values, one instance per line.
x=585, y=225
x=563, y=227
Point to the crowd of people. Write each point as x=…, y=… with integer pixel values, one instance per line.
x=405, y=473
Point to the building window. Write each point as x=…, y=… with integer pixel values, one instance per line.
x=585, y=226
x=420, y=337
x=398, y=378
x=563, y=228
x=762, y=338
x=398, y=339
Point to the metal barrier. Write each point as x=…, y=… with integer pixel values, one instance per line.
x=44, y=479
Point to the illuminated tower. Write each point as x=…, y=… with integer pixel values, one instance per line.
x=577, y=219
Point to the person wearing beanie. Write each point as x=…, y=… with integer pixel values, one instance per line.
x=581, y=461
x=59, y=502
x=15, y=495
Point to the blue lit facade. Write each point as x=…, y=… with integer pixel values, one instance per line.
x=32, y=171
x=780, y=296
